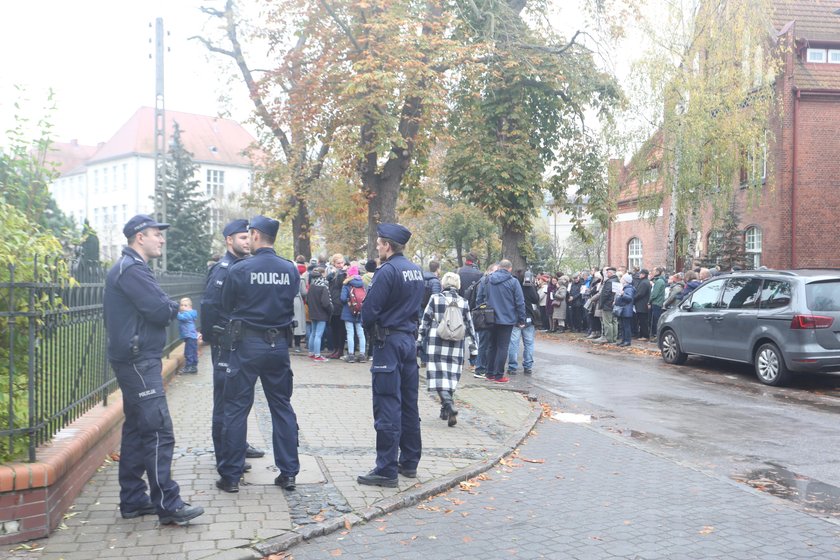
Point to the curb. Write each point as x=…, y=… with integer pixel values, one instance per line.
x=410, y=497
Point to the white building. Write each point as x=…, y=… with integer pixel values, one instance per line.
x=109, y=183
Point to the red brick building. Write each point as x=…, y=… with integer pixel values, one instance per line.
x=792, y=224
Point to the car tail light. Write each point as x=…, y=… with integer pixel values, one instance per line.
x=811, y=322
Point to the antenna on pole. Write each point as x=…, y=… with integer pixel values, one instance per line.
x=160, y=135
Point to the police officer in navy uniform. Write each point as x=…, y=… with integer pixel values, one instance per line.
x=214, y=320
x=137, y=312
x=390, y=312
x=259, y=295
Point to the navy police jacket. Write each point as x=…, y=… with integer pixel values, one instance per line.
x=394, y=296
x=211, y=303
x=260, y=291
x=135, y=306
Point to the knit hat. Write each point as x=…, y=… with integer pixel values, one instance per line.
x=352, y=271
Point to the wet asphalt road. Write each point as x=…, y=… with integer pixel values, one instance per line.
x=710, y=414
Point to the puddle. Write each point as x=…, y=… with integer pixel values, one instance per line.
x=778, y=481
x=572, y=418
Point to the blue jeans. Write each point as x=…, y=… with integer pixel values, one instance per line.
x=483, y=345
x=315, y=334
x=351, y=326
x=527, y=335
x=190, y=352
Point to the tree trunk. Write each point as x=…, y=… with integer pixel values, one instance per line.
x=301, y=231
x=511, y=243
x=383, y=191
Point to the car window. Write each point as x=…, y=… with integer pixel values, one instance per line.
x=823, y=296
x=707, y=295
x=740, y=293
x=775, y=293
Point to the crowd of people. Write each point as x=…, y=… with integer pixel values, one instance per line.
x=259, y=308
x=613, y=305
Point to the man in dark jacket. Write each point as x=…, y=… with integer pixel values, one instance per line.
x=641, y=302
x=609, y=323
x=575, y=304
x=214, y=319
x=526, y=333
x=137, y=312
x=469, y=273
x=503, y=294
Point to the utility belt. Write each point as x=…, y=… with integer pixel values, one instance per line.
x=237, y=330
x=380, y=333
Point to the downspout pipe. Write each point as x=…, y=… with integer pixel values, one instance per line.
x=797, y=93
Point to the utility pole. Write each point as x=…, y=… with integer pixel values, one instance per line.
x=160, y=135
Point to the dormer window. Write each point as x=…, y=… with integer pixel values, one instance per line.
x=834, y=56
x=816, y=55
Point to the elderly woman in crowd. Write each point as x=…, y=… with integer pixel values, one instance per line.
x=623, y=309
x=445, y=358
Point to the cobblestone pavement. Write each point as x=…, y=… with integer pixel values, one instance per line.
x=573, y=492
x=333, y=404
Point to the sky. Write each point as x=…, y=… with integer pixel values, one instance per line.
x=94, y=54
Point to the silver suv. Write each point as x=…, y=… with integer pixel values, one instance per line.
x=779, y=321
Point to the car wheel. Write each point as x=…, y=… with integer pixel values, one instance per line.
x=670, y=348
x=770, y=365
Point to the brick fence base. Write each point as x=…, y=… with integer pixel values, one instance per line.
x=34, y=496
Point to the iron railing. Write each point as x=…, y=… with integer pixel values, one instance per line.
x=56, y=365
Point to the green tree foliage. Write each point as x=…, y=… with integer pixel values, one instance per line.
x=709, y=80
x=518, y=113
x=25, y=175
x=188, y=211
x=30, y=254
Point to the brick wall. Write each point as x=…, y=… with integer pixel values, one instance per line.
x=817, y=192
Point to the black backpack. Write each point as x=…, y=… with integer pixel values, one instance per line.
x=471, y=293
x=427, y=293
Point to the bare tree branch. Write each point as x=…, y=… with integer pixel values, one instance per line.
x=341, y=24
x=253, y=88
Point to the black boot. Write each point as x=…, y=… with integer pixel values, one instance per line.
x=450, y=410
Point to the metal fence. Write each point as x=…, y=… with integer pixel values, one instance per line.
x=55, y=344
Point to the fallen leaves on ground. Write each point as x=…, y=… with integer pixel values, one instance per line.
x=706, y=530
x=347, y=524
x=546, y=410
x=538, y=461
x=281, y=556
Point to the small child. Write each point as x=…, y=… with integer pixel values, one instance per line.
x=186, y=324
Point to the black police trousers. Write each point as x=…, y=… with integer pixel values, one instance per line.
x=147, y=439
x=255, y=358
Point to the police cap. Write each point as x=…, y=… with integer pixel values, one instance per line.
x=236, y=226
x=265, y=225
x=394, y=232
x=139, y=223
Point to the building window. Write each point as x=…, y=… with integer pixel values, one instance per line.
x=96, y=181
x=651, y=175
x=634, y=252
x=215, y=184
x=816, y=55
x=834, y=56
x=752, y=246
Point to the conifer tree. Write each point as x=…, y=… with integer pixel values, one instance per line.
x=188, y=211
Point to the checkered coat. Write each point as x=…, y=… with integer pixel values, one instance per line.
x=444, y=358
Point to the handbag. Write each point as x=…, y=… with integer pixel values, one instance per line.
x=483, y=317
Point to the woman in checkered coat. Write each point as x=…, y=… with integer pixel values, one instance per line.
x=445, y=358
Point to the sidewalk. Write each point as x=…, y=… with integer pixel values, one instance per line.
x=333, y=405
